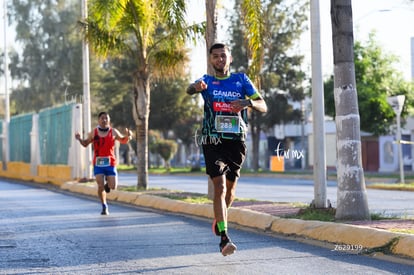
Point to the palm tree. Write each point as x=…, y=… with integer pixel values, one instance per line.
x=211, y=29
x=255, y=35
x=211, y=36
x=152, y=33
x=352, y=199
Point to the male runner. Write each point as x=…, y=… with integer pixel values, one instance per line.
x=226, y=99
x=103, y=138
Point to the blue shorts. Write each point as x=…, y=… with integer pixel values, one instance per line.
x=106, y=171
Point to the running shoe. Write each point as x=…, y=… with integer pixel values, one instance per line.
x=106, y=187
x=214, y=228
x=227, y=247
x=105, y=211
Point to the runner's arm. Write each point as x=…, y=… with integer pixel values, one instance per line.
x=84, y=142
x=196, y=87
x=256, y=102
x=123, y=138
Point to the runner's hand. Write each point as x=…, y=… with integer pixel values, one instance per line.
x=200, y=86
x=128, y=133
x=238, y=105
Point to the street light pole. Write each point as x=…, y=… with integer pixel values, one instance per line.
x=400, y=155
x=86, y=92
x=397, y=103
x=5, y=143
x=318, y=110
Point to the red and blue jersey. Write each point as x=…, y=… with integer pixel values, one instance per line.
x=104, y=147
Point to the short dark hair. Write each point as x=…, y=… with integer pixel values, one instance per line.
x=219, y=46
x=102, y=113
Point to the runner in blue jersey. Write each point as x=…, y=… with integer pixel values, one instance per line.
x=219, y=118
x=227, y=96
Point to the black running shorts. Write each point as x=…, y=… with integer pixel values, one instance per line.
x=224, y=157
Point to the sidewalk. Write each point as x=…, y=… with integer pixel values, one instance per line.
x=369, y=237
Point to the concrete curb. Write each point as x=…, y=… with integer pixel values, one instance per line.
x=335, y=233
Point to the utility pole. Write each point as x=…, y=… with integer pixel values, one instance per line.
x=86, y=93
x=5, y=134
x=397, y=104
x=318, y=110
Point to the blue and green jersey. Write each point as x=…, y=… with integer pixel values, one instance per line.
x=218, y=120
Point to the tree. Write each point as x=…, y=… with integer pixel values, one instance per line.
x=252, y=16
x=154, y=138
x=352, y=201
x=166, y=148
x=153, y=35
x=172, y=111
x=211, y=30
x=115, y=91
x=170, y=105
x=210, y=36
x=48, y=64
x=376, y=79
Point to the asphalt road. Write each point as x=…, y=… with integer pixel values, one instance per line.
x=278, y=189
x=47, y=232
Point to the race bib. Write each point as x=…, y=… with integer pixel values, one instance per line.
x=102, y=161
x=227, y=124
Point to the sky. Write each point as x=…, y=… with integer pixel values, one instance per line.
x=392, y=20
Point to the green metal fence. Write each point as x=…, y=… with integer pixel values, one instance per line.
x=1, y=141
x=19, y=137
x=55, y=134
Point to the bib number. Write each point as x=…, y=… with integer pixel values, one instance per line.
x=227, y=124
x=102, y=161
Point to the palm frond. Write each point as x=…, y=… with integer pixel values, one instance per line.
x=107, y=13
x=169, y=62
x=173, y=12
x=102, y=41
x=253, y=19
x=146, y=30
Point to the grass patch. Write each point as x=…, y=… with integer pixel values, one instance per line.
x=378, y=217
x=159, y=170
x=162, y=170
x=328, y=215
x=187, y=197
x=315, y=214
x=125, y=167
x=127, y=188
x=133, y=188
